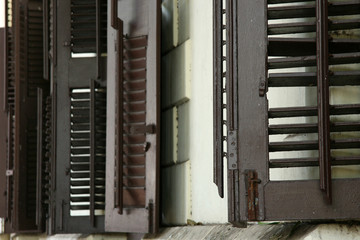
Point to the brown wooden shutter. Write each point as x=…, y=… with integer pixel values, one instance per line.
x=264, y=51
x=3, y=124
x=8, y=106
x=132, y=177
x=23, y=77
x=80, y=112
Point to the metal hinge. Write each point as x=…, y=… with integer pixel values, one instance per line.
x=232, y=150
x=252, y=182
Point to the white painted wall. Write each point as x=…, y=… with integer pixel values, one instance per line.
x=207, y=206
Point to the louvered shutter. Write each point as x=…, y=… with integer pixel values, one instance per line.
x=8, y=106
x=133, y=151
x=287, y=45
x=23, y=77
x=3, y=123
x=80, y=87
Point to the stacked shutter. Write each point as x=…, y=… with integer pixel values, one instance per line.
x=53, y=155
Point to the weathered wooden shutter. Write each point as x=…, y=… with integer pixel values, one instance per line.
x=3, y=124
x=269, y=47
x=132, y=167
x=80, y=83
x=23, y=81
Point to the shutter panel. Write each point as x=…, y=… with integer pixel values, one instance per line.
x=297, y=54
x=132, y=168
x=25, y=64
x=3, y=123
x=8, y=106
x=80, y=117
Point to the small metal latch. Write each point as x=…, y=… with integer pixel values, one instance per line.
x=262, y=88
x=9, y=172
x=252, y=182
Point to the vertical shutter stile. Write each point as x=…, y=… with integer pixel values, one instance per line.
x=322, y=58
x=218, y=91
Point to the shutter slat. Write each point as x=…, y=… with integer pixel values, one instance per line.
x=307, y=46
x=344, y=109
x=304, y=79
x=308, y=162
x=304, y=27
x=306, y=61
x=287, y=1
x=312, y=128
x=292, y=146
x=313, y=145
x=308, y=10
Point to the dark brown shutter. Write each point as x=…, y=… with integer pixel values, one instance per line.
x=8, y=106
x=3, y=124
x=80, y=114
x=263, y=52
x=23, y=77
x=132, y=177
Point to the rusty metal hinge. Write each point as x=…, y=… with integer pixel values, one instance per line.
x=252, y=182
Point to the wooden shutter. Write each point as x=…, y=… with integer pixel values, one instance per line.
x=80, y=112
x=132, y=167
x=22, y=80
x=3, y=123
x=265, y=46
